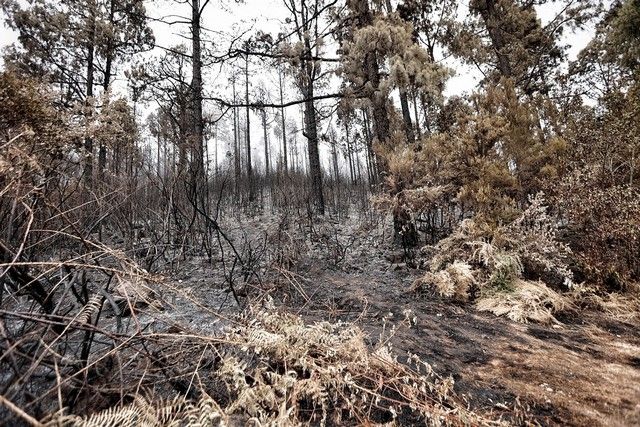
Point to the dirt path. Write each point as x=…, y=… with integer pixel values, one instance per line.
x=584, y=372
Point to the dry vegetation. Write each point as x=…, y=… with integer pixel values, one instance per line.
x=473, y=262
x=277, y=370
x=488, y=266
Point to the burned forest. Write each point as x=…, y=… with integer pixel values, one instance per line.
x=319, y=213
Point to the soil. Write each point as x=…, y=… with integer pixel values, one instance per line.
x=581, y=373
x=583, y=370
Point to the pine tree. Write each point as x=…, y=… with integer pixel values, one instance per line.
x=77, y=43
x=303, y=54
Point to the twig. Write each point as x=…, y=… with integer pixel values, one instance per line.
x=19, y=412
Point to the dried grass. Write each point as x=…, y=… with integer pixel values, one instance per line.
x=494, y=261
x=280, y=371
x=528, y=301
x=453, y=282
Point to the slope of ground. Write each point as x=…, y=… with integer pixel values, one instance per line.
x=584, y=370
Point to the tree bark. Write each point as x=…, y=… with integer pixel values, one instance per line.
x=248, y=135
x=491, y=18
x=311, y=132
x=284, y=128
x=88, y=142
x=108, y=71
x=349, y=152
x=196, y=89
x=379, y=99
x=406, y=116
x=334, y=157
x=236, y=148
x=356, y=159
x=370, y=154
x=267, y=166
x=415, y=113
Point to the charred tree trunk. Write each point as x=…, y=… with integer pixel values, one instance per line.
x=196, y=89
x=108, y=71
x=88, y=142
x=248, y=129
x=311, y=133
x=378, y=98
x=349, y=150
x=267, y=165
x=356, y=159
x=491, y=17
x=236, y=140
x=370, y=154
x=415, y=114
x=406, y=116
x=284, y=127
x=403, y=224
x=334, y=158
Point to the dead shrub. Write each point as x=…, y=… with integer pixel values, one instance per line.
x=495, y=264
x=525, y=301
x=604, y=231
x=279, y=370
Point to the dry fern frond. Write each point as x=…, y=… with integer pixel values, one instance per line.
x=206, y=413
x=280, y=371
x=325, y=368
x=151, y=413
x=485, y=253
x=87, y=312
x=137, y=413
x=453, y=282
x=528, y=301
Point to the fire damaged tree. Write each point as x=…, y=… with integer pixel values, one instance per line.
x=386, y=45
x=506, y=39
x=303, y=54
x=78, y=44
x=199, y=180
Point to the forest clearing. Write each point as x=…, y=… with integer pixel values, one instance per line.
x=319, y=212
